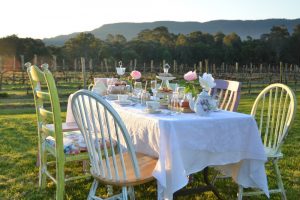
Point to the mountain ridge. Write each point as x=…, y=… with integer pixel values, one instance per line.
x=244, y=28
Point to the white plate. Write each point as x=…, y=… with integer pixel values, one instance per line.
x=152, y=111
x=112, y=96
x=124, y=103
x=167, y=78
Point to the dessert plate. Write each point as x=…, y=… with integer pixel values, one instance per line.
x=150, y=111
x=124, y=103
x=168, y=78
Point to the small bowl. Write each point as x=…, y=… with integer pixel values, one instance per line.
x=122, y=97
x=152, y=105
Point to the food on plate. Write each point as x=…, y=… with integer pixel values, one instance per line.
x=118, y=83
x=165, y=89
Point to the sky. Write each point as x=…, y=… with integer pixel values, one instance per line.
x=48, y=18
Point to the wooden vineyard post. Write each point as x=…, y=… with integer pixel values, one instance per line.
x=105, y=63
x=236, y=67
x=250, y=79
x=214, y=69
x=206, y=66
x=91, y=65
x=130, y=65
x=281, y=70
x=102, y=66
x=22, y=68
x=260, y=68
x=83, y=72
x=151, y=66
x=135, y=63
x=295, y=76
x=286, y=73
x=35, y=59
x=174, y=66
x=200, y=67
x=14, y=70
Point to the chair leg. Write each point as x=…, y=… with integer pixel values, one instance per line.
x=110, y=190
x=93, y=190
x=124, y=193
x=279, y=179
x=60, y=178
x=240, y=193
x=131, y=193
x=42, y=166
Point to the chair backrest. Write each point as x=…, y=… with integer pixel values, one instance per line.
x=106, y=136
x=274, y=110
x=44, y=91
x=228, y=93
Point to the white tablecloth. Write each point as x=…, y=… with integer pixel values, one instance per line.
x=187, y=143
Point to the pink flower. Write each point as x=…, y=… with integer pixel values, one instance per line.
x=136, y=75
x=190, y=76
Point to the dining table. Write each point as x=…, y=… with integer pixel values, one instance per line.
x=186, y=143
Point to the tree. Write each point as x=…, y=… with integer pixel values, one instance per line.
x=294, y=45
x=181, y=40
x=277, y=39
x=83, y=45
x=232, y=44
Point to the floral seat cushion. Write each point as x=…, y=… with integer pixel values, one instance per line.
x=73, y=142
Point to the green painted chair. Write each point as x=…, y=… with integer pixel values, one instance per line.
x=274, y=110
x=63, y=146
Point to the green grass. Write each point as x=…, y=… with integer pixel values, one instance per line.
x=19, y=175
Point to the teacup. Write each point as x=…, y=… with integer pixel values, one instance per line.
x=122, y=97
x=152, y=105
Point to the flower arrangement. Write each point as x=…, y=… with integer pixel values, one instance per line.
x=207, y=81
x=190, y=83
x=135, y=75
x=190, y=76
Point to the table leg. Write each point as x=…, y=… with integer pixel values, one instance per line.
x=198, y=190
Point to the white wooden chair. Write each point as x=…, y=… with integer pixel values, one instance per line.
x=228, y=93
x=112, y=164
x=274, y=109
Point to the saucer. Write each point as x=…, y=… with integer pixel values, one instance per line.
x=112, y=96
x=150, y=111
x=124, y=103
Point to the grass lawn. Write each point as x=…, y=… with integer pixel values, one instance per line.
x=19, y=175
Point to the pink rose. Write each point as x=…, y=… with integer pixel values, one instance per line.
x=136, y=75
x=190, y=76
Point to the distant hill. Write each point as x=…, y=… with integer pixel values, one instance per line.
x=243, y=28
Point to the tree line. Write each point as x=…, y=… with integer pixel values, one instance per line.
x=159, y=44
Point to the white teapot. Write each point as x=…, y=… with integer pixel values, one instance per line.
x=202, y=105
x=98, y=87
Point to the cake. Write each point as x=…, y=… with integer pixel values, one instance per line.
x=119, y=87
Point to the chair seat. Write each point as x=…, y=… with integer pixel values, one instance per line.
x=73, y=142
x=66, y=127
x=146, y=165
x=271, y=153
